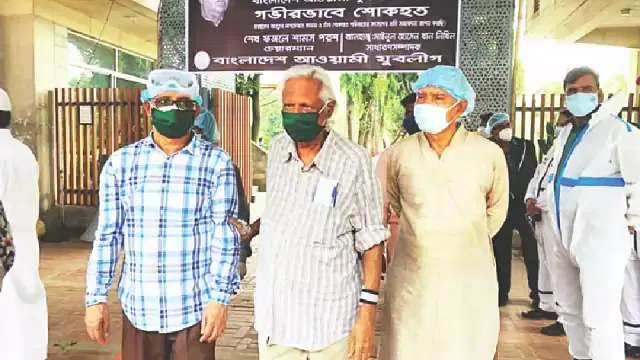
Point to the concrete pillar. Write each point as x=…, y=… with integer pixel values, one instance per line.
x=27, y=72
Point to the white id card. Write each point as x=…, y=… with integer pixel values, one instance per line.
x=326, y=192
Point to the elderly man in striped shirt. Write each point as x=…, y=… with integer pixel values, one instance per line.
x=321, y=230
x=166, y=201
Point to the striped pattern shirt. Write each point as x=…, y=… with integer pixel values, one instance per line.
x=309, y=277
x=170, y=215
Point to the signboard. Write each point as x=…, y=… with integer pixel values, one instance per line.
x=344, y=35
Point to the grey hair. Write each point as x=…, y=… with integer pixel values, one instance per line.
x=312, y=72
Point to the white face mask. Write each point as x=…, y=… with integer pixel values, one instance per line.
x=431, y=119
x=505, y=134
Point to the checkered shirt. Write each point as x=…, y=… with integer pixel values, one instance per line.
x=170, y=215
x=309, y=277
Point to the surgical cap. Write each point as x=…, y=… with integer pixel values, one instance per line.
x=178, y=81
x=452, y=80
x=207, y=123
x=496, y=119
x=5, y=103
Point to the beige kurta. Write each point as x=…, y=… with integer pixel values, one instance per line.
x=442, y=293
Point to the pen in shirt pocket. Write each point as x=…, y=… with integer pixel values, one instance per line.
x=334, y=195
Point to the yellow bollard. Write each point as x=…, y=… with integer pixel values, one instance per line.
x=40, y=228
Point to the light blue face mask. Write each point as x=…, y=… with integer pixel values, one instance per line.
x=582, y=104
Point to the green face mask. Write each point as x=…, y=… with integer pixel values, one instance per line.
x=301, y=127
x=173, y=123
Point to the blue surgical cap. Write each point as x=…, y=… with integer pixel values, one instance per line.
x=452, y=80
x=207, y=123
x=496, y=119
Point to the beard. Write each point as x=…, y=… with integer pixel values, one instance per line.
x=214, y=10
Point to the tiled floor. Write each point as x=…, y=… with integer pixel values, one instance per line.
x=63, y=267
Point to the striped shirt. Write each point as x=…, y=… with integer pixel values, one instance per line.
x=309, y=277
x=170, y=215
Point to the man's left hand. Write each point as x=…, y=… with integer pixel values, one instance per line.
x=632, y=230
x=362, y=336
x=214, y=321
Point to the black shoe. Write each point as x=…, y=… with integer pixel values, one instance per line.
x=535, y=304
x=631, y=351
x=503, y=301
x=555, y=329
x=539, y=314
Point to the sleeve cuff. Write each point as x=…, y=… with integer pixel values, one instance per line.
x=370, y=237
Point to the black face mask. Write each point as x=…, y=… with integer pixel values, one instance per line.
x=5, y=119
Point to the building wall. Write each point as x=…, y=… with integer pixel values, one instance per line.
x=33, y=61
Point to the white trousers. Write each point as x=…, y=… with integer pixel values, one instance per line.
x=336, y=351
x=590, y=277
x=631, y=300
x=546, y=236
x=23, y=328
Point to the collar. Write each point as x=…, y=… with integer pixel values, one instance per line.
x=459, y=137
x=322, y=158
x=193, y=147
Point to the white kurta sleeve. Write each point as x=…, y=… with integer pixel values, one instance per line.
x=392, y=188
x=498, y=195
x=626, y=153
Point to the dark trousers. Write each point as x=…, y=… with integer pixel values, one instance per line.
x=502, y=250
x=180, y=345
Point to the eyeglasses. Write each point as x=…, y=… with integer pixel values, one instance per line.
x=181, y=104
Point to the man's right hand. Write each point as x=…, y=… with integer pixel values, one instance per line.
x=97, y=321
x=532, y=207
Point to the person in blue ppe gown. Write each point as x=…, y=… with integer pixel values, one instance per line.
x=595, y=200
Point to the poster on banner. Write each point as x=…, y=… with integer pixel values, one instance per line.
x=341, y=35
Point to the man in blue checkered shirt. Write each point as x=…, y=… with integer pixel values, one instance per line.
x=166, y=202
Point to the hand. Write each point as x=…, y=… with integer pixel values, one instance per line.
x=245, y=236
x=97, y=321
x=362, y=336
x=532, y=207
x=214, y=321
x=632, y=230
x=8, y=241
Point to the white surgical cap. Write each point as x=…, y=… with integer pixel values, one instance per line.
x=496, y=119
x=5, y=103
x=452, y=80
x=172, y=80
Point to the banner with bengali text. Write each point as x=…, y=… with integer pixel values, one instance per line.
x=341, y=35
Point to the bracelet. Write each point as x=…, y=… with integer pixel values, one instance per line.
x=369, y=297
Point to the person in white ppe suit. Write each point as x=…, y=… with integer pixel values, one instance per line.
x=546, y=233
x=441, y=293
x=23, y=328
x=594, y=199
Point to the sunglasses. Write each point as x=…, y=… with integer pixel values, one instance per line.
x=181, y=104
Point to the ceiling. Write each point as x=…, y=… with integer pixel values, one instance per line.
x=128, y=16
